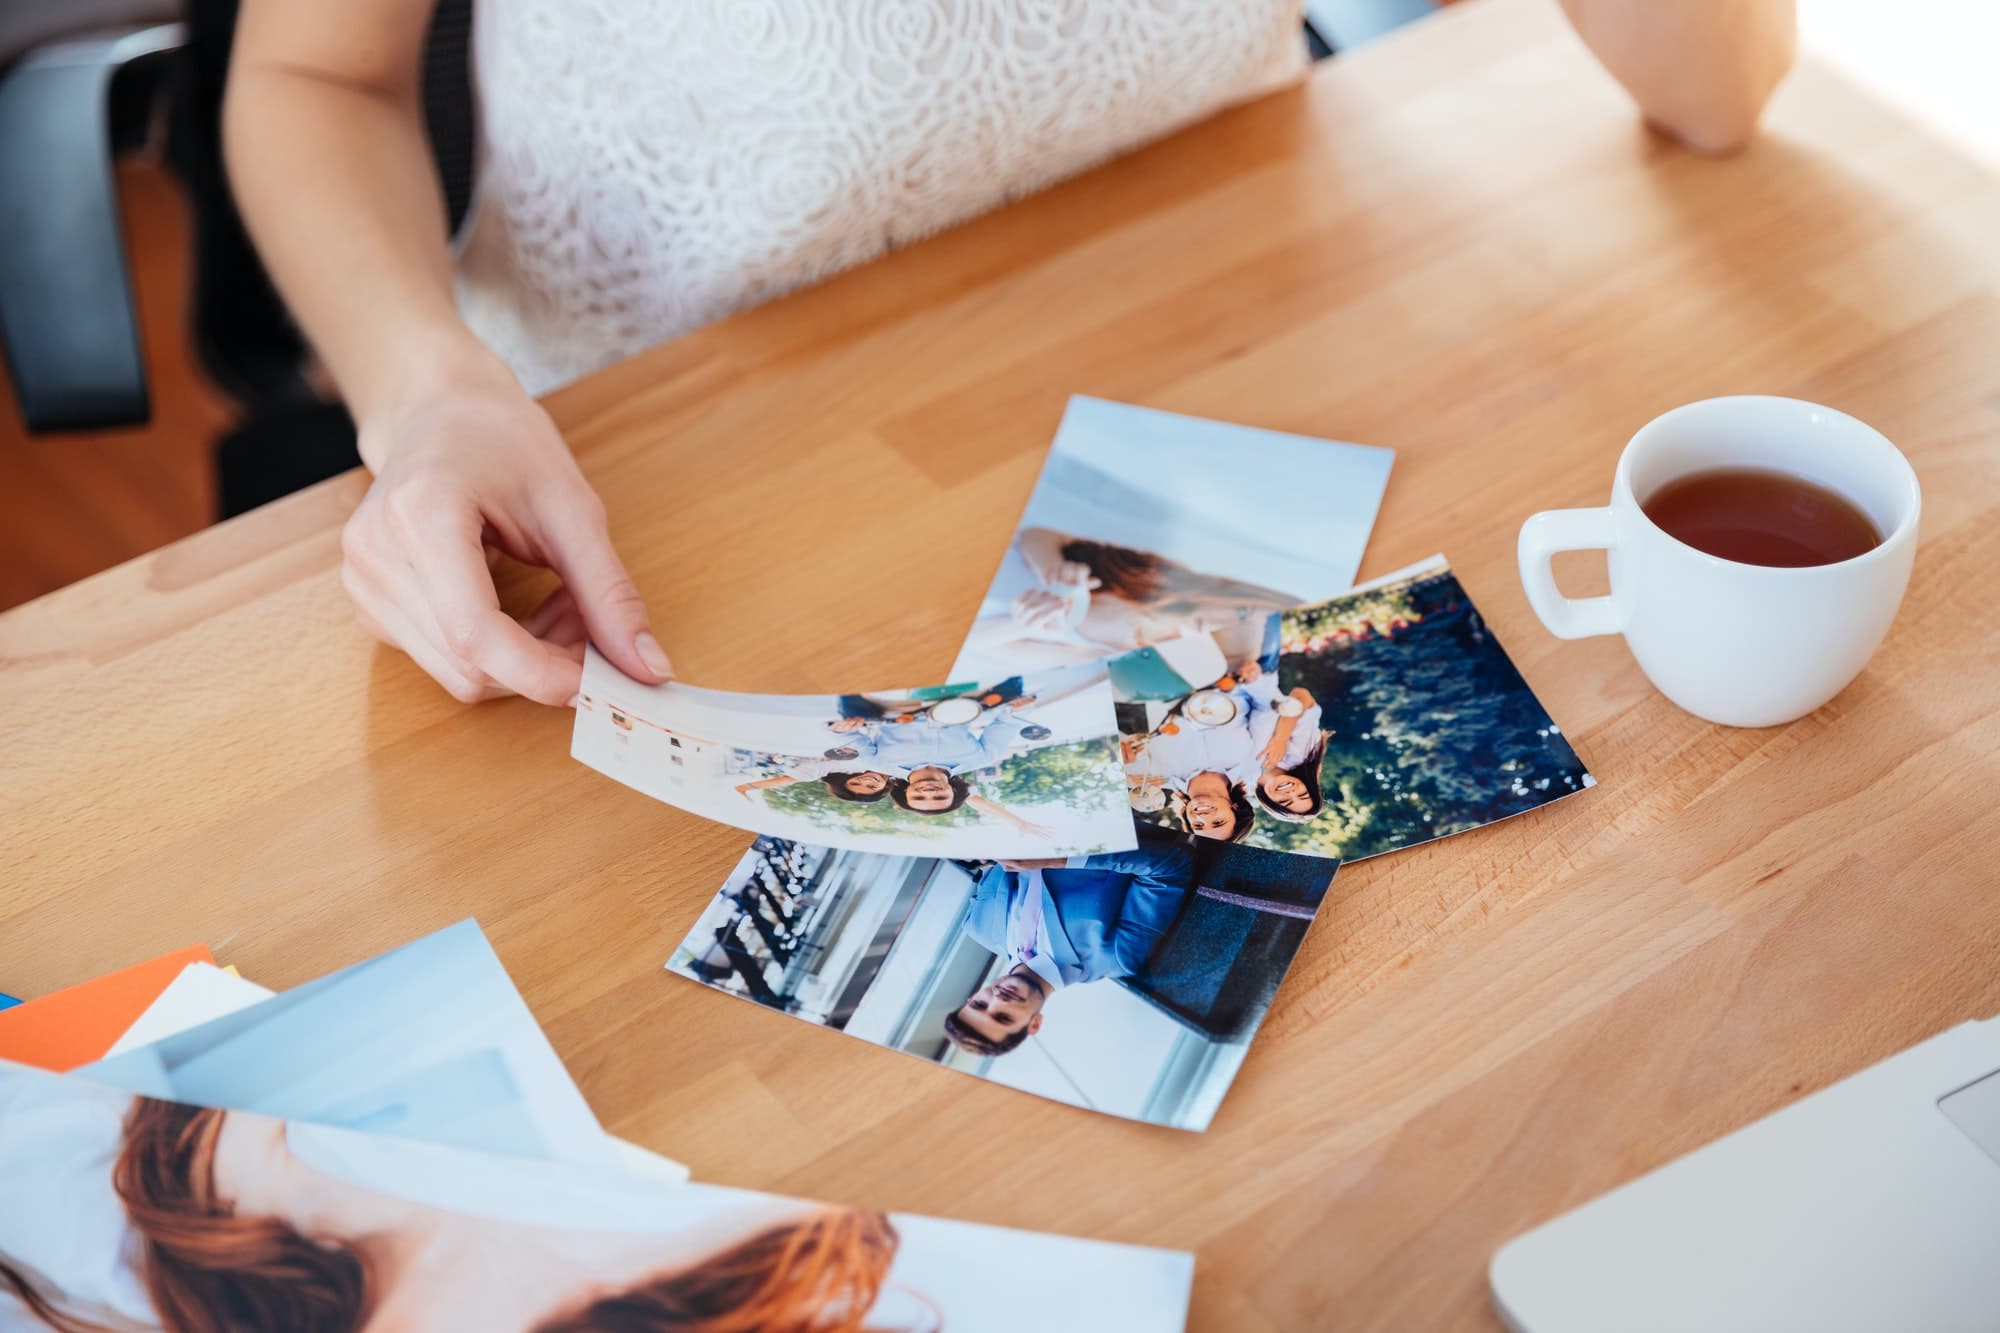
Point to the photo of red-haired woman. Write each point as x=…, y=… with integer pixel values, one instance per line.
x=127, y=1212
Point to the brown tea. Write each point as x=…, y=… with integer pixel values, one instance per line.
x=1756, y=517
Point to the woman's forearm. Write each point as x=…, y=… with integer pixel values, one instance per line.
x=988, y=806
x=1281, y=737
x=324, y=136
x=332, y=171
x=1042, y=549
x=1701, y=70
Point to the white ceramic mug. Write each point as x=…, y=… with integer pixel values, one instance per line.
x=1744, y=645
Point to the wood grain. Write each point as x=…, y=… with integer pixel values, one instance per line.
x=1457, y=243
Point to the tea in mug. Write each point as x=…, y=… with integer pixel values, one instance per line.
x=1759, y=517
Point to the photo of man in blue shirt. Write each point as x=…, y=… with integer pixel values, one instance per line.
x=1065, y=922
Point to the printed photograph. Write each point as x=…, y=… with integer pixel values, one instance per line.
x=175, y=1217
x=1146, y=525
x=428, y=1041
x=1376, y=720
x=1129, y=983
x=1023, y=765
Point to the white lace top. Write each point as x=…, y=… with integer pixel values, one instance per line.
x=650, y=165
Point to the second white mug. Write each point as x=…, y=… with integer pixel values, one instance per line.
x=1744, y=645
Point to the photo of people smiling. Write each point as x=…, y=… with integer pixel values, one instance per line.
x=1375, y=720
x=1147, y=525
x=1023, y=765
x=135, y=1213
x=1127, y=982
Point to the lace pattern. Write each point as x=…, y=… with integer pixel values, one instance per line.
x=651, y=165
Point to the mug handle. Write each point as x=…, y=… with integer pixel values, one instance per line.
x=1555, y=530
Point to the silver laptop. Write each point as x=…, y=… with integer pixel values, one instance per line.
x=1872, y=1206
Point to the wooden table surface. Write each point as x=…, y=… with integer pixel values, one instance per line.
x=1458, y=243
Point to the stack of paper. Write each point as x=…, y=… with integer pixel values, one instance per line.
x=397, y=1144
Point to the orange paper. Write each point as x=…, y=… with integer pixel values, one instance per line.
x=76, y=1026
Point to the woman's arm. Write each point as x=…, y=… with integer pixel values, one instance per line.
x=323, y=132
x=1701, y=70
x=1288, y=724
x=782, y=780
x=986, y=806
x=1042, y=549
x=1281, y=738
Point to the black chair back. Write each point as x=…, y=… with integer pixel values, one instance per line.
x=243, y=334
x=289, y=436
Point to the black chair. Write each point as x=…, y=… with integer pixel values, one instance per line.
x=66, y=311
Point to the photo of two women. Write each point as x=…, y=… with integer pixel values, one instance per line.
x=1368, y=722
x=1021, y=765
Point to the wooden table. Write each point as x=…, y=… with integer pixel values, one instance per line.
x=1458, y=243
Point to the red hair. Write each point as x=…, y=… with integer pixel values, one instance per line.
x=208, y=1270
x=1153, y=581
x=820, y=1275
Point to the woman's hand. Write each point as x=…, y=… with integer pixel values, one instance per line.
x=467, y=464
x=1041, y=611
x=1071, y=574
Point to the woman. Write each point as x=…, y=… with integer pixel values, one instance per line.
x=1065, y=599
x=1211, y=806
x=924, y=765
x=216, y=1222
x=836, y=772
x=648, y=167
x=1288, y=783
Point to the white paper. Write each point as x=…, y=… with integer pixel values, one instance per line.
x=201, y=992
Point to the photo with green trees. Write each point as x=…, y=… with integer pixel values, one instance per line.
x=1432, y=730
x=1078, y=781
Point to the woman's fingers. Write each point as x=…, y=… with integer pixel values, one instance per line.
x=1076, y=574
x=380, y=604
x=1040, y=609
x=578, y=541
x=442, y=540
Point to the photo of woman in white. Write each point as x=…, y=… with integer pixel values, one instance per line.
x=133, y=1213
x=1291, y=748
x=1060, y=598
